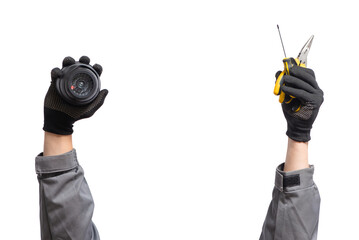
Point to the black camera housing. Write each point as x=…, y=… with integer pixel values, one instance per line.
x=79, y=84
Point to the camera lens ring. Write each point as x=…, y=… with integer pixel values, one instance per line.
x=68, y=86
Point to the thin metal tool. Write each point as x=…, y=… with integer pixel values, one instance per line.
x=281, y=41
x=303, y=54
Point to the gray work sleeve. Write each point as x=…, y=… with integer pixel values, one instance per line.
x=293, y=213
x=66, y=204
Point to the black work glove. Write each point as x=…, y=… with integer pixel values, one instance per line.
x=59, y=116
x=302, y=85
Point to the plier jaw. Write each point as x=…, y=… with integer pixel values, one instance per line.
x=303, y=54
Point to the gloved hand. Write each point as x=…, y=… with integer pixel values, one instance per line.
x=59, y=116
x=302, y=85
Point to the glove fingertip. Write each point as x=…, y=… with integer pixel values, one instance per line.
x=98, y=68
x=104, y=91
x=103, y=94
x=84, y=59
x=277, y=74
x=68, y=61
x=55, y=74
x=283, y=88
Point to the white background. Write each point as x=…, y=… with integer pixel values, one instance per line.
x=187, y=142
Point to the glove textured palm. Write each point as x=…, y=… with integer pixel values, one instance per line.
x=59, y=116
x=302, y=85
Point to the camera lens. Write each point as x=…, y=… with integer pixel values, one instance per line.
x=79, y=85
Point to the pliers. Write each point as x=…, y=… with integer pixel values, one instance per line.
x=301, y=61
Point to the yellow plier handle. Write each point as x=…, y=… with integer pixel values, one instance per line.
x=288, y=64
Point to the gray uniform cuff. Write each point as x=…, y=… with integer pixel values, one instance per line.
x=294, y=180
x=58, y=163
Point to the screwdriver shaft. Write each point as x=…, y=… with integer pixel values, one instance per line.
x=281, y=41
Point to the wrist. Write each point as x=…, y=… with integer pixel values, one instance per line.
x=55, y=144
x=297, y=156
